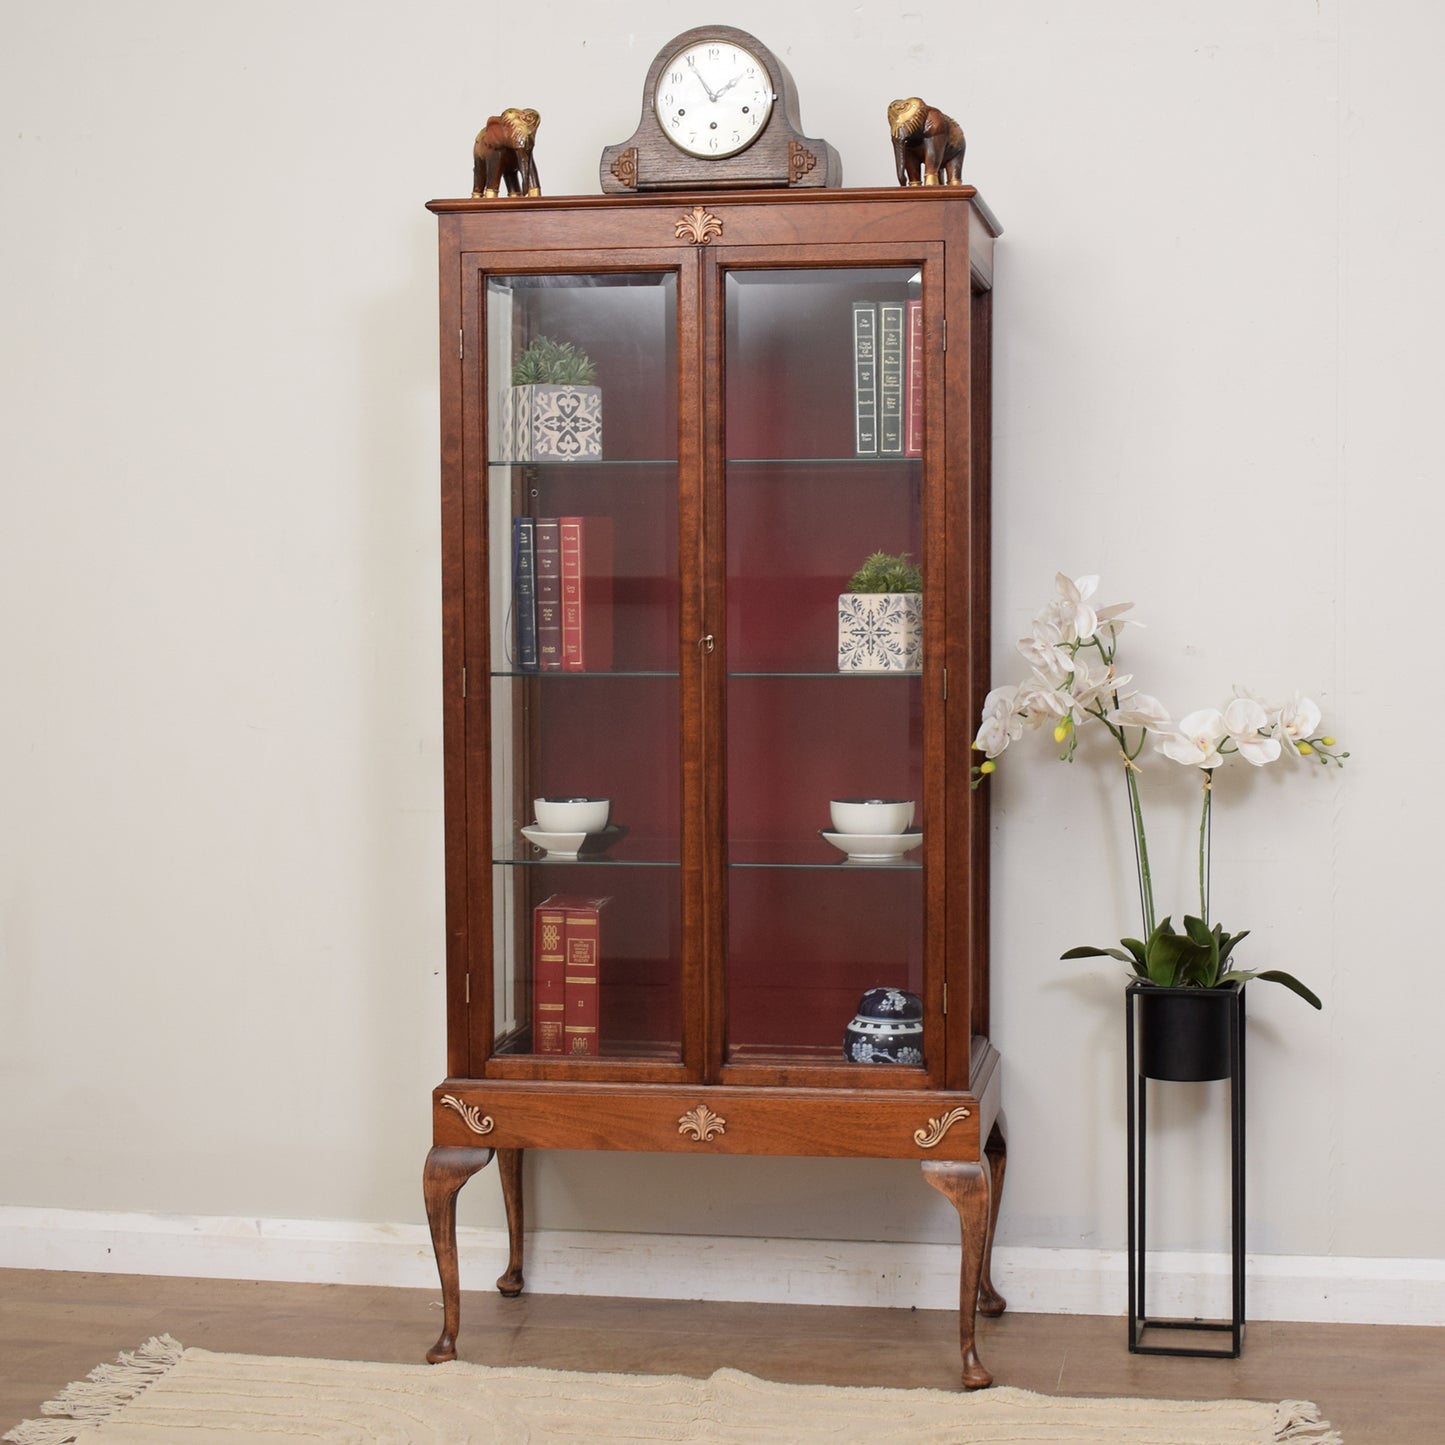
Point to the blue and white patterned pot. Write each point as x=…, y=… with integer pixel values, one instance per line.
x=880, y=632
x=543, y=422
x=887, y=1029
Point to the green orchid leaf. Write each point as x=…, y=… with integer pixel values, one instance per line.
x=1227, y=942
x=1084, y=951
x=1174, y=960
x=1136, y=956
x=1198, y=930
x=1275, y=975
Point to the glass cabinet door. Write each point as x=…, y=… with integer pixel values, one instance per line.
x=582, y=541
x=822, y=468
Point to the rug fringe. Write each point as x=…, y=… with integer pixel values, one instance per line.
x=1297, y=1422
x=107, y=1389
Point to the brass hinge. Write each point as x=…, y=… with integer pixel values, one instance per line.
x=467, y=991
x=945, y=333
x=945, y=684
x=461, y=345
x=464, y=682
x=945, y=999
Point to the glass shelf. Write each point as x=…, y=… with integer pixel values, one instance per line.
x=835, y=673
x=555, y=674
x=812, y=853
x=796, y=464
x=558, y=675
x=626, y=852
x=800, y=463
x=599, y=464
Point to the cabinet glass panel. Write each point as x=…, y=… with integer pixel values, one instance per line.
x=823, y=469
x=582, y=524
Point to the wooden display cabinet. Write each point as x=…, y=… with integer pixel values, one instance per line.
x=728, y=502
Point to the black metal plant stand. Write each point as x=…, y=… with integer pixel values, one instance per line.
x=1192, y=1035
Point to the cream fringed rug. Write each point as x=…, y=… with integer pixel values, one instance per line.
x=163, y=1394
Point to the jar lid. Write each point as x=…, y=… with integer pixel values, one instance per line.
x=890, y=1003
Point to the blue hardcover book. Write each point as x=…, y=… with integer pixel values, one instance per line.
x=547, y=576
x=524, y=593
x=865, y=377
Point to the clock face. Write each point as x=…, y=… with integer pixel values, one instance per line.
x=713, y=98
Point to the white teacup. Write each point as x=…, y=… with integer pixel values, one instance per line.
x=571, y=815
x=875, y=816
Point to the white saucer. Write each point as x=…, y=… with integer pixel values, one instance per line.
x=569, y=845
x=875, y=847
x=557, y=845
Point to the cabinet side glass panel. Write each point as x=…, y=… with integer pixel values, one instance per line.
x=823, y=469
x=582, y=519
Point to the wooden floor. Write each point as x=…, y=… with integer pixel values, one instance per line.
x=1380, y=1385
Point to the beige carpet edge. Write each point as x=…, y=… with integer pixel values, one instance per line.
x=727, y=1405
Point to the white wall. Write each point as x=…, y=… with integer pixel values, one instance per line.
x=220, y=835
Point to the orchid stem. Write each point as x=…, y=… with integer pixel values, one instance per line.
x=1206, y=852
x=1141, y=852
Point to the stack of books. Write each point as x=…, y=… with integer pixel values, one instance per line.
x=562, y=594
x=888, y=378
x=566, y=957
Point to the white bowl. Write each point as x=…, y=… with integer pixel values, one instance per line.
x=871, y=815
x=571, y=815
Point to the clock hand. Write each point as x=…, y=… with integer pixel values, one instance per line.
x=727, y=87
x=692, y=65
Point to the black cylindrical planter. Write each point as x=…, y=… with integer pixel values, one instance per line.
x=1184, y=1033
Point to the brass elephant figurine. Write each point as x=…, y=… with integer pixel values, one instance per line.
x=503, y=153
x=927, y=145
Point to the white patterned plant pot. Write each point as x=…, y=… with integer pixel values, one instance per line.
x=543, y=422
x=880, y=632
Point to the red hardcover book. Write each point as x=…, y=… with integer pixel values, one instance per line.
x=913, y=394
x=586, y=548
x=547, y=576
x=582, y=961
x=549, y=990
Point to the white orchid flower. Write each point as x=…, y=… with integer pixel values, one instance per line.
x=1001, y=724
x=1195, y=742
x=1091, y=681
x=1243, y=719
x=1045, y=653
x=1080, y=622
x=1114, y=616
x=1139, y=710
x=1298, y=722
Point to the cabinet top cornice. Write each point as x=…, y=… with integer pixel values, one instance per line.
x=926, y=195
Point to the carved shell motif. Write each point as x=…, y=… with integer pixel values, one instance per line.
x=702, y=1124
x=699, y=227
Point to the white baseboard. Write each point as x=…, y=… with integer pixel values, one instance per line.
x=770, y=1271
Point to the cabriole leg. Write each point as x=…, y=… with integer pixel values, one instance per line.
x=990, y=1301
x=509, y=1164
x=442, y=1179
x=967, y=1186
